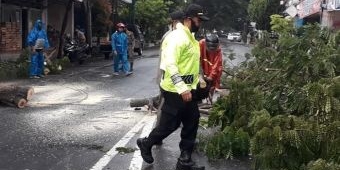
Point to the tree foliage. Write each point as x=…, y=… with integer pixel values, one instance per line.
x=260, y=11
x=225, y=14
x=287, y=99
x=152, y=16
x=101, y=17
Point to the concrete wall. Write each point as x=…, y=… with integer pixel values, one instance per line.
x=333, y=19
x=52, y=15
x=10, y=32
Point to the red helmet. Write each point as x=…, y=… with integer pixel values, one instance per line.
x=120, y=25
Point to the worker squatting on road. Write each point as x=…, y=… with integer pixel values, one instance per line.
x=211, y=62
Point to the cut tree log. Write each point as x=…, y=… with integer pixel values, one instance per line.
x=20, y=102
x=15, y=95
x=204, y=111
x=150, y=102
x=204, y=106
x=17, y=101
x=26, y=92
x=154, y=102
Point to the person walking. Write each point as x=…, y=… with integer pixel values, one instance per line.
x=119, y=43
x=79, y=36
x=37, y=41
x=175, y=17
x=180, y=62
x=131, y=46
x=211, y=61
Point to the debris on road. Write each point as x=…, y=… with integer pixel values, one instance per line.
x=124, y=150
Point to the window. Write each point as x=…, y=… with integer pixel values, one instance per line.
x=337, y=4
x=333, y=5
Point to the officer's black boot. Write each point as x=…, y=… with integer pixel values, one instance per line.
x=185, y=156
x=145, y=149
x=159, y=143
x=184, y=161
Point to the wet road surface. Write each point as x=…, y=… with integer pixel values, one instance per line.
x=77, y=120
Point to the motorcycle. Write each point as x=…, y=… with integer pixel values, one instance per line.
x=75, y=51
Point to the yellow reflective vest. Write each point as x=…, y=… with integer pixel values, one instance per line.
x=180, y=59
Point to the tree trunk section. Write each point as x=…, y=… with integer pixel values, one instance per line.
x=26, y=92
x=204, y=111
x=15, y=95
x=63, y=27
x=153, y=101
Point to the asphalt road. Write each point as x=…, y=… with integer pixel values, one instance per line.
x=78, y=119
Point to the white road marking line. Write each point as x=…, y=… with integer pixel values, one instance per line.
x=137, y=160
x=123, y=141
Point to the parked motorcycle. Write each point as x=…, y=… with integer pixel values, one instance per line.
x=75, y=51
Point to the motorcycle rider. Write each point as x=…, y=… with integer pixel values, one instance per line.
x=79, y=36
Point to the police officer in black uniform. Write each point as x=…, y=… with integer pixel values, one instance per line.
x=180, y=63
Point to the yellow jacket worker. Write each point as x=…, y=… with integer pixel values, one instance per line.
x=180, y=60
x=180, y=63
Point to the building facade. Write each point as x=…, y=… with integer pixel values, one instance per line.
x=325, y=12
x=17, y=17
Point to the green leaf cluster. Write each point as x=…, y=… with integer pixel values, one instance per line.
x=225, y=15
x=57, y=65
x=291, y=142
x=321, y=164
x=227, y=144
x=260, y=11
x=101, y=17
x=152, y=16
x=287, y=100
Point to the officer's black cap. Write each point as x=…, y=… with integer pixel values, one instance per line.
x=195, y=10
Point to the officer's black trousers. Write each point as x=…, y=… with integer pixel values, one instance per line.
x=175, y=112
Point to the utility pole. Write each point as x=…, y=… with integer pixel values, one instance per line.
x=132, y=12
x=0, y=12
x=114, y=12
x=322, y=7
x=88, y=13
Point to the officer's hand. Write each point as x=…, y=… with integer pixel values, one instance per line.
x=32, y=49
x=114, y=52
x=186, y=96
